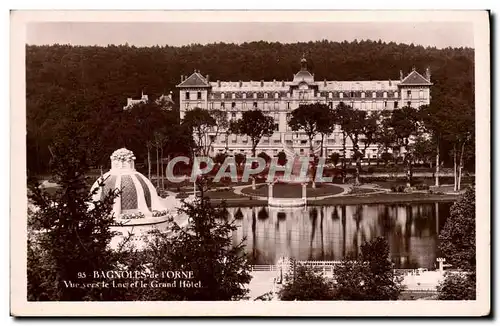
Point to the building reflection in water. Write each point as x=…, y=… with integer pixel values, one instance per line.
x=331, y=232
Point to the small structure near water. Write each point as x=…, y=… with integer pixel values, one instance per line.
x=138, y=202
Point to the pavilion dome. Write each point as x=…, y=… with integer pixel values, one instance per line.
x=138, y=202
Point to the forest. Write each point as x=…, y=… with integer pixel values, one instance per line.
x=85, y=87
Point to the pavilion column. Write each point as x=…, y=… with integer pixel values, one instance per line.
x=270, y=190
x=304, y=190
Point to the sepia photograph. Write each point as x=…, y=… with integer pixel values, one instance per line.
x=248, y=163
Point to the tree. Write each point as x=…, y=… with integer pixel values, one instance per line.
x=239, y=158
x=342, y=112
x=305, y=285
x=326, y=125
x=255, y=125
x=266, y=157
x=334, y=158
x=69, y=231
x=220, y=158
x=460, y=131
x=457, y=240
x=404, y=123
x=423, y=150
x=458, y=287
x=149, y=118
x=457, y=243
x=282, y=160
x=201, y=124
x=386, y=157
x=307, y=118
x=360, y=127
x=205, y=247
x=369, y=276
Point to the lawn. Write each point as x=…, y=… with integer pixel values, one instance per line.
x=293, y=190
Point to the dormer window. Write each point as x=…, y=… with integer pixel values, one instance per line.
x=341, y=95
x=254, y=95
x=244, y=95
x=363, y=95
x=233, y=95
x=395, y=94
x=374, y=95
x=385, y=94
x=222, y=95
x=330, y=95
x=276, y=95
x=265, y=95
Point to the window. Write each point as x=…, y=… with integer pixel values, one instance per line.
x=385, y=94
x=301, y=151
x=212, y=138
x=330, y=95
x=303, y=141
x=265, y=95
x=421, y=94
x=277, y=141
x=244, y=95
x=233, y=105
x=233, y=95
x=276, y=126
x=395, y=104
x=385, y=104
x=330, y=105
x=408, y=93
x=255, y=105
x=211, y=105
x=222, y=105
x=352, y=94
x=341, y=95
x=233, y=115
x=288, y=105
x=409, y=103
x=374, y=95
x=254, y=95
x=395, y=94
x=287, y=94
x=198, y=95
x=244, y=105
x=275, y=95
x=187, y=95
x=222, y=95
x=363, y=95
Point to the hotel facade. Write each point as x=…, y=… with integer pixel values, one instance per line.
x=279, y=98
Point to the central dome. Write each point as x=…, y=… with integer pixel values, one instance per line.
x=138, y=202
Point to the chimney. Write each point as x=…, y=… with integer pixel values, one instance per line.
x=282, y=83
x=208, y=78
x=241, y=83
x=428, y=73
x=390, y=82
x=401, y=75
x=324, y=82
x=182, y=78
x=218, y=83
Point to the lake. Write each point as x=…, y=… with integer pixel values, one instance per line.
x=331, y=232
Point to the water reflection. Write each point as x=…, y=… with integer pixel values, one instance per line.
x=331, y=232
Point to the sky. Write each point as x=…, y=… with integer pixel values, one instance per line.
x=438, y=34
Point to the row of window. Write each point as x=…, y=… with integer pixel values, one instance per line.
x=409, y=94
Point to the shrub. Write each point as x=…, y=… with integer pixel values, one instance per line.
x=398, y=188
x=422, y=186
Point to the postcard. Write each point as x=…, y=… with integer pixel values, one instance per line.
x=250, y=163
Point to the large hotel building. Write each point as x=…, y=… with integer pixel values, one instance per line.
x=278, y=98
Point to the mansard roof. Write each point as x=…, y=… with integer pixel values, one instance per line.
x=414, y=78
x=195, y=80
